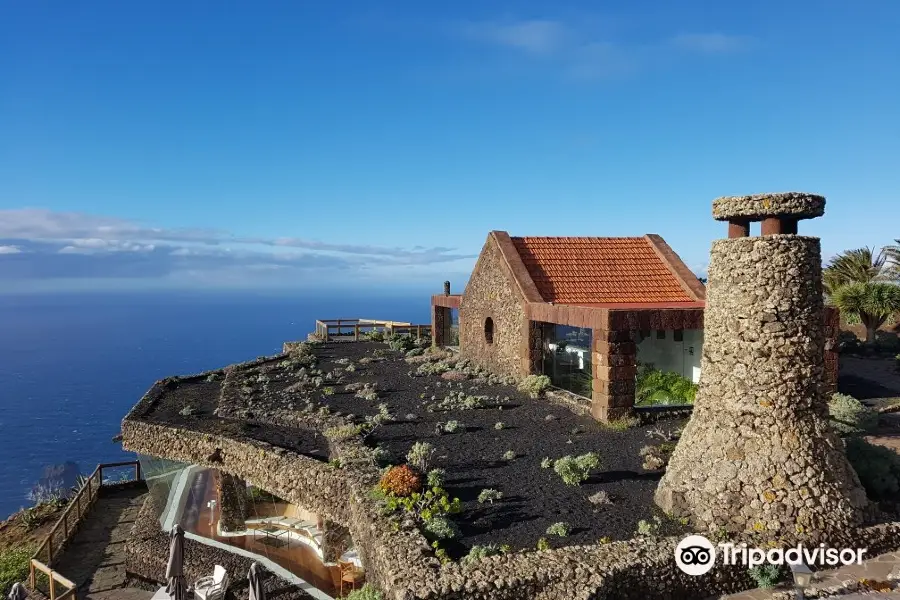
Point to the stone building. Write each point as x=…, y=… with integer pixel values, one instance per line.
x=758, y=455
x=583, y=310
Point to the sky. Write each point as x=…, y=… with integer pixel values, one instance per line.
x=291, y=145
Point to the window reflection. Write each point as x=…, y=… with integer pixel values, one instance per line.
x=567, y=357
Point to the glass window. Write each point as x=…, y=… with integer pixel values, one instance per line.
x=567, y=357
x=453, y=339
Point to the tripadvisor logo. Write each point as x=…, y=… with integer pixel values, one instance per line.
x=696, y=555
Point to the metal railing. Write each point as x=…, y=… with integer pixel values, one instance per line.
x=353, y=328
x=67, y=525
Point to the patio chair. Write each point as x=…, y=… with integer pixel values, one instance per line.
x=212, y=587
x=351, y=575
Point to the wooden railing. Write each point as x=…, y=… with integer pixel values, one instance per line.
x=64, y=528
x=55, y=579
x=355, y=327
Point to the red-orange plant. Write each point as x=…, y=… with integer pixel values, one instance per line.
x=401, y=481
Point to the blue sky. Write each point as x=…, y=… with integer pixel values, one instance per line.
x=300, y=144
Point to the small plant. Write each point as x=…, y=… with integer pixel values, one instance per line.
x=561, y=529
x=623, y=424
x=211, y=377
x=452, y=427
x=366, y=592
x=29, y=519
x=335, y=463
x=649, y=528
x=534, y=385
x=187, y=411
x=442, y=528
x=489, y=495
x=849, y=416
x=479, y=552
x=600, y=498
x=543, y=544
x=499, y=425
x=328, y=391
x=367, y=393
x=342, y=433
x=436, y=478
x=401, y=481
x=766, y=576
x=604, y=540
x=509, y=455
x=657, y=457
x=546, y=462
x=420, y=455
x=575, y=470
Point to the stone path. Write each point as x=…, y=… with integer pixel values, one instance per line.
x=875, y=568
x=95, y=559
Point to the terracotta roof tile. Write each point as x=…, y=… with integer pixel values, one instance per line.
x=583, y=270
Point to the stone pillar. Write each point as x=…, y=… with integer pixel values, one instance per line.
x=614, y=363
x=335, y=540
x=232, y=502
x=758, y=455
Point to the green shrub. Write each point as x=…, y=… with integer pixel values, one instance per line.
x=534, y=385
x=436, y=477
x=543, y=544
x=649, y=528
x=489, y=495
x=574, y=470
x=878, y=467
x=374, y=335
x=342, y=433
x=479, y=552
x=499, y=425
x=442, y=528
x=561, y=529
x=452, y=427
x=509, y=455
x=366, y=592
x=13, y=567
x=849, y=416
x=663, y=387
x=546, y=463
x=419, y=456
x=766, y=576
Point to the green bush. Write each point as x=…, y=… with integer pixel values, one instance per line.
x=13, y=567
x=366, y=592
x=436, y=478
x=442, y=528
x=534, y=385
x=574, y=470
x=489, y=495
x=766, y=576
x=419, y=456
x=878, y=467
x=479, y=552
x=663, y=387
x=849, y=416
x=560, y=529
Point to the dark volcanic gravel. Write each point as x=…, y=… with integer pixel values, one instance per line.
x=533, y=498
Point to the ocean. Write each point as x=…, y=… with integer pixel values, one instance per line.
x=72, y=365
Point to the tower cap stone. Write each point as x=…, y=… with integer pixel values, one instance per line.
x=797, y=205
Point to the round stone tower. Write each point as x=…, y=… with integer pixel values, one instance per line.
x=758, y=455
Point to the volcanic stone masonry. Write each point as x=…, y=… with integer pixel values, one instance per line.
x=758, y=455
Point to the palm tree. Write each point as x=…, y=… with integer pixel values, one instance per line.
x=893, y=259
x=873, y=302
x=861, y=265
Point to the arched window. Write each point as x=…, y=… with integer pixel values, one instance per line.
x=489, y=330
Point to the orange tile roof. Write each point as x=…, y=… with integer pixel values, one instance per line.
x=591, y=270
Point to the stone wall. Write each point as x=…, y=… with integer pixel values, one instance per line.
x=758, y=455
x=335, y=541
x=399, y=562
x=491, y=293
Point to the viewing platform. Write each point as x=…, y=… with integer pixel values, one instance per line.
x=350, y=330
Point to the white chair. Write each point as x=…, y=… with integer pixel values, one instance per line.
x=212, y=587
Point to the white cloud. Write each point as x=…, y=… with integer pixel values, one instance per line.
x=10, y=250
x=535, y=36
x=579, y=51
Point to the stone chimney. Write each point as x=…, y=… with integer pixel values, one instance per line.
x=758, y=455
x=446, y=288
